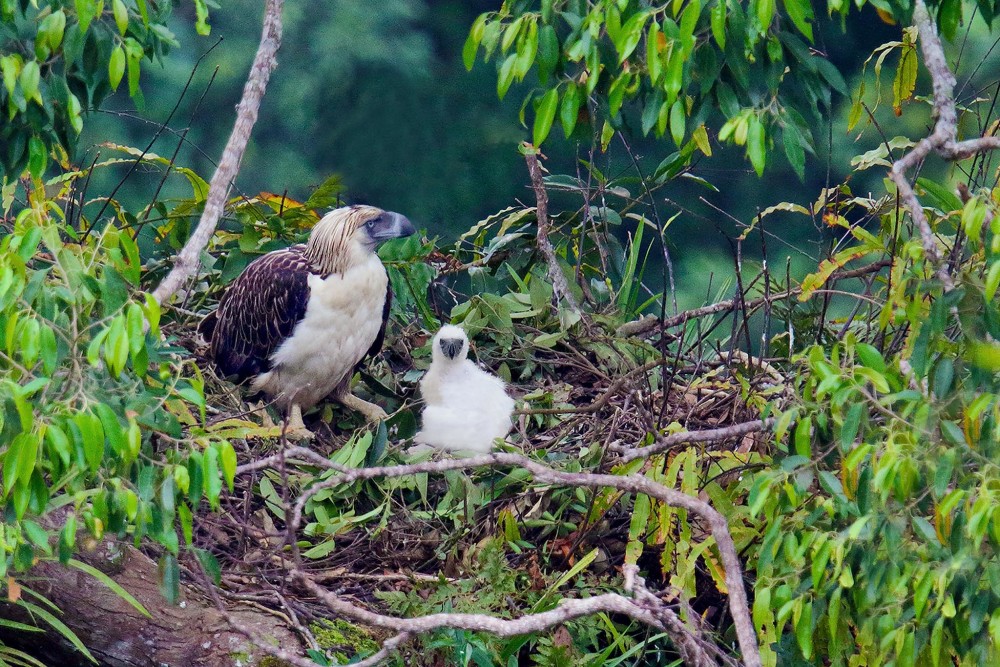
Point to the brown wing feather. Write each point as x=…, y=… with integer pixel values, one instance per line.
x=259, y=311
x=376, y=346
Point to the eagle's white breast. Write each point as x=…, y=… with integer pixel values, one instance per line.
x=342, y=320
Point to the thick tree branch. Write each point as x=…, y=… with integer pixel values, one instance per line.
x=694, y=650
x=942, y=139
x=189, y=260
x=719, y=529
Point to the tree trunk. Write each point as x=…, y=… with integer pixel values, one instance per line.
x=191, y=633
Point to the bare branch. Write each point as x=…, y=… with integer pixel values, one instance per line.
x=649, y=324
x=719, y=529
x=568, y=610
x=941, y=141
x=559, y=285
x=707, y=435
x=189, y=260
x=694, y=650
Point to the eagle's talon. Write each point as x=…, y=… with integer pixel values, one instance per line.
x=370, y=411
x=299, y=434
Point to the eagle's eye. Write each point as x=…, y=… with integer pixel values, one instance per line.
x=374, y=221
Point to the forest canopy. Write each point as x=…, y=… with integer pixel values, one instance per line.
x=736, y=262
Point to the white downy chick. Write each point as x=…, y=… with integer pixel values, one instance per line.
x=466, y=408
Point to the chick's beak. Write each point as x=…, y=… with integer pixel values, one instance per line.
x=451, y=347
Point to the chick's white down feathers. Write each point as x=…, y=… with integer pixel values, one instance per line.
x=465, y=407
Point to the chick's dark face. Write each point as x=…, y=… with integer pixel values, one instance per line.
x=383, y=226
x=451, y=347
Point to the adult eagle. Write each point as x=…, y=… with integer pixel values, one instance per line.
x=297, y=321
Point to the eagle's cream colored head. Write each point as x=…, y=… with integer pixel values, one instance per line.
x=450, y=345
x=347, y=236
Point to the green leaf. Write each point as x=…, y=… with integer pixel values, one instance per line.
x=213, y=482
x=803, y=629
x=756, y=144
x=569, y=111
x=111, y=584
x=545, y=114
x=949, y=17
x=201, y=18
x=121, y=16
x=471, y=47
x=86, y=10
x=38, y=157
x=653, y=61
x=630, y=35
x=870, y=357
x=116, y=67
x=794, y=152
x=112, y=430
x=765, y=13
x=548, y=52
x=677, y=122
x=953, y=433
x=718, y=19
x=227, y=459
x=59, y=443
x=801, y=13
x=906, y=77
x=170, y=577
x=93, y=439
x=803, y=437
x=506, y=75
x=59, y=627
x=210, y=564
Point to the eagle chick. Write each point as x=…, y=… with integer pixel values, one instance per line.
x=466, y=407
x=297, y=321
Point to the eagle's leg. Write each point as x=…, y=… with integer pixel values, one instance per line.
x=261, y=410
x=371, y=412
x=295, y=428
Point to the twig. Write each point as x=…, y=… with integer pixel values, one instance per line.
x=604, y=398
x=559, y=285
x=649, y=324
x=189, y=259
x=707, y=435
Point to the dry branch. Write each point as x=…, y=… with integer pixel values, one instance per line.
x=694, y=650
x=707, y=435
x=649, y=324
x=941, y=141
x=719, y=529
x=189, y=260
x=559, y=285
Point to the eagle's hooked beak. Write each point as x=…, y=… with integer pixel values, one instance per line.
x=389, y=225
x=451, y=346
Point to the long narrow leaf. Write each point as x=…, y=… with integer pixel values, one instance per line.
x=59, y=627
x=110, y=583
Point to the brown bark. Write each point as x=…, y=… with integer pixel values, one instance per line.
x=192, y=633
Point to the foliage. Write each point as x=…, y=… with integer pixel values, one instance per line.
x=61, y=58
x=871, y=525
x=102, y=422
x=882, y=522
x=668, y=66
x=674, y=62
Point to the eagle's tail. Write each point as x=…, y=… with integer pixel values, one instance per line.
x=206, y=328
